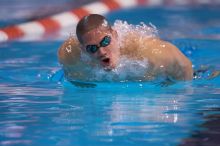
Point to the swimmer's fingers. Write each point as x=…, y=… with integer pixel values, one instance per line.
x=202, y=69
x=83, y=85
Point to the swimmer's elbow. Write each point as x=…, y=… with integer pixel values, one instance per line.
x=188, y=72
x=181, y=71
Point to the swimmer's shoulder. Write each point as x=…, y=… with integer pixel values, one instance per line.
x=69, y=52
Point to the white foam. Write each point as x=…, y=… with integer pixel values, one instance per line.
x=126, y=70
x=142, y=29
x=105, y=23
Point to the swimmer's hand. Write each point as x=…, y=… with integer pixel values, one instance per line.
x=83, y=85
x=214, y=74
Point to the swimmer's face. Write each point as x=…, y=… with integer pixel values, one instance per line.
x=102, y=44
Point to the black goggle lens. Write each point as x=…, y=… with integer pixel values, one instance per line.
x=105, y=41
x=92, y=48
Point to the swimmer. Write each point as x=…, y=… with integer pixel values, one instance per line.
x=100, y=41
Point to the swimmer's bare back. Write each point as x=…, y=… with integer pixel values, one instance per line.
x=168, y=59
x=163, y=57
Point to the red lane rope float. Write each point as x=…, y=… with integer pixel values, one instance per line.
x=13, y=32
x=80, y=12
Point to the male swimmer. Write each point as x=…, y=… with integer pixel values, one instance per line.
x=100, y=41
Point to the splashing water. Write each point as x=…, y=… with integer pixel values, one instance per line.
x=126, y=70
x=143, y=30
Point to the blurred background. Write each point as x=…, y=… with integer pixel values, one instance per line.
x=15, y=11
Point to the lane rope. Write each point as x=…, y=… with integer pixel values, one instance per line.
x=57, y=22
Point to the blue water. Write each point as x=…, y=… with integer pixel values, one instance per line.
x=36, y=109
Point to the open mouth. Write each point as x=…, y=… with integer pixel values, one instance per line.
x=106, y=63
x=106, y=60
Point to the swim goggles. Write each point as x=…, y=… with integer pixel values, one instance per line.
x=94, y=48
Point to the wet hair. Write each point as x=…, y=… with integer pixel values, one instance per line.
x=90, y=22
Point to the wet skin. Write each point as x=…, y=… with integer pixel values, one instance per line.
x=163, y=57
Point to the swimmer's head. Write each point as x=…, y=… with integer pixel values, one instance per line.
x=99, y=40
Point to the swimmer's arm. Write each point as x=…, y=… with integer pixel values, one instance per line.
x=69, y=52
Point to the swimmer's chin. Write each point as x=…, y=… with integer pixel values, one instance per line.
x=109, y=67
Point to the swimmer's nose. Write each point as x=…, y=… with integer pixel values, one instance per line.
x=102, y=51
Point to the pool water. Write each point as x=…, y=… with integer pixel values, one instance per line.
x=37, y=108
